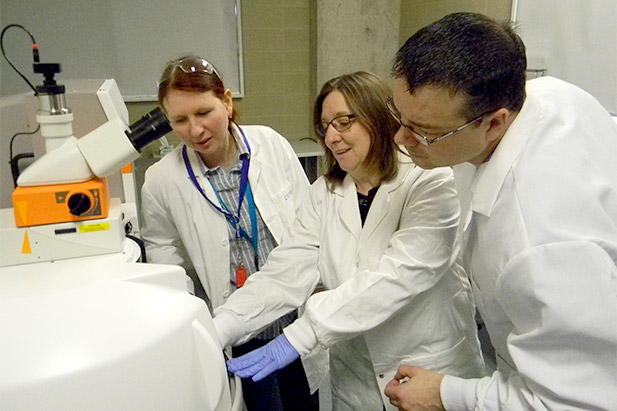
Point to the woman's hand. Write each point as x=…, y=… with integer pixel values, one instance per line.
x=263, y=361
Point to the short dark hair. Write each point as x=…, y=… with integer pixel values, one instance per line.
x=467, y=53
x=365, y=94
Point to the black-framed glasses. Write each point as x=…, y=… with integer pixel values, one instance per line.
x=422, y=139
x=190, y=65
x=340, y=123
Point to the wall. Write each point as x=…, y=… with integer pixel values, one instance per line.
x=277, y=65
x=416, y=14
x=356, y=35
x=278, y=45
x=118, y=38
x=579, y=46
x=280, y=50
x=282, y=58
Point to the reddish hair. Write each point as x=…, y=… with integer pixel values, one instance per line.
x=174, y=78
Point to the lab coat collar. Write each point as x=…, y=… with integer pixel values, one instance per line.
x=348, y=185
x=381, y=203
x=349, y=211
x=242, y=148
x=489, y=177
x=252, y=151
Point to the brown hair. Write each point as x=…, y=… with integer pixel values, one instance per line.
x=173, y=78
x=366, y=95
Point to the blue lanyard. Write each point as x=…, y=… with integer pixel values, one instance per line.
x=245, y=190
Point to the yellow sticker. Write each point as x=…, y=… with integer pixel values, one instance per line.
x=93, y=228
x=25, y=248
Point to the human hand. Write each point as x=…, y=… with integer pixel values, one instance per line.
x=263, y=361
x=415, y=389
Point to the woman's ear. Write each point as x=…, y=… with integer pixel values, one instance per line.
x=228, y=101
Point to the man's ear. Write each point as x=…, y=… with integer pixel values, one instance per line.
x=498, y=124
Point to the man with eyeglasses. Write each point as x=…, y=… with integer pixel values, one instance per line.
x=536, y=169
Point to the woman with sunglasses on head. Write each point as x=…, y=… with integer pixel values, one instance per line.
x=381, y=235
x=219, y=203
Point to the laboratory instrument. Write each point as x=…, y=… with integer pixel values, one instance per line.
x=84, y=325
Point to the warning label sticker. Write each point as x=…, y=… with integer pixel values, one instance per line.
x=92, y=228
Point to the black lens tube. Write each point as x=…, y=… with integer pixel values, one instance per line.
x=150, y=127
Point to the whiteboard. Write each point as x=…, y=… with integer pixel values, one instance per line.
x=127, y=40
x=574, y=40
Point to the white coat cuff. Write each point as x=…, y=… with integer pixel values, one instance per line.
x=458, y=394
x=228, y=327
x=301, y=336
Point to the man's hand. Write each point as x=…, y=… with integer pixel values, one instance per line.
x=415, y=389
x=263, y=361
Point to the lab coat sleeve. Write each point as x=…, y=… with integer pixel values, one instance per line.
x=158, y=231
x=419, y=253
x=283, y=284
x=562, y=301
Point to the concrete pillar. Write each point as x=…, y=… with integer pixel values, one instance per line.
x=356, y=35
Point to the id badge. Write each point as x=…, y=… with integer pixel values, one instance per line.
x=240, y=276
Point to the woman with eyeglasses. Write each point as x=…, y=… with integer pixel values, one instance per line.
x=219, y=203
x=380, y=234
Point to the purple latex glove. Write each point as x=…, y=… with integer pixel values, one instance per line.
x=263, y=361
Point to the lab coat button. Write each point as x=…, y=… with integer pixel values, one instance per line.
x=224, y=243
x=226, y=294
x=381, y=375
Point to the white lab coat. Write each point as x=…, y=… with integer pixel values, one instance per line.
x=541, y=232
x=395, y=280
x=180, y=227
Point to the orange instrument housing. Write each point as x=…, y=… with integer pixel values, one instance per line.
x=61, y=203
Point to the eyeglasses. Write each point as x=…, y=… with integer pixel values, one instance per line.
x=420, y=137
x=190, y=65
x=340, y=123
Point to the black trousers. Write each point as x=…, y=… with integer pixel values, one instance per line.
x=285, y=389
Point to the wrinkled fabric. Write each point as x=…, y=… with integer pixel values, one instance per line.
x=395, y=280
x=541, y=253
x=351, y=368
x=180, y=227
